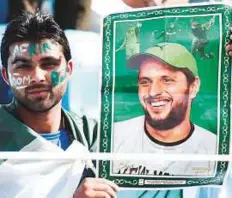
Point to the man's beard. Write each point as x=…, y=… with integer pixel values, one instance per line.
x=39, y=104
x=173, y=119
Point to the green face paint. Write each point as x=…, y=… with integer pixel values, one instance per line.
x=32, y=49
x=46, y=46
x=39, y=48
x=57, y=77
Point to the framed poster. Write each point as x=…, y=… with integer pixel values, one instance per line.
x=166, y=87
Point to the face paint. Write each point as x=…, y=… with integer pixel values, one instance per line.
x=39, y=48
x=20, y=49
x=31, y=48
x=19, y=82
x=59, y=76
x=46, y=46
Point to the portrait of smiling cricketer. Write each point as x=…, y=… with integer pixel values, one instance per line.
x=37, y=66
x=168, y=82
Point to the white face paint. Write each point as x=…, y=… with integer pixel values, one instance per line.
x=19, y=82
x=31, y=49
x=21, y=49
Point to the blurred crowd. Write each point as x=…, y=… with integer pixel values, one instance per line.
x=79, y=14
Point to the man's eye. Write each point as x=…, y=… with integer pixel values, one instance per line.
x=144, y=82
x=49, y=65
x=168, y=80
x=23, y=66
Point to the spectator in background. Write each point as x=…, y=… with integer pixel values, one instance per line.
x=69, y=14
x=16, y=7
x=72, y=14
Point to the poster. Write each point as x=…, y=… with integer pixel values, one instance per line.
x=166, y=89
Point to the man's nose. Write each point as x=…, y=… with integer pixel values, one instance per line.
x=155, y=88
x=38, y=75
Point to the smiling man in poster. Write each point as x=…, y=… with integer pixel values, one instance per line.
x=168, y=82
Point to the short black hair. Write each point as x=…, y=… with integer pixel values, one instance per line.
x=33, y=28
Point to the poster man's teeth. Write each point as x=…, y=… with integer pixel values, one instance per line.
x=157, y=104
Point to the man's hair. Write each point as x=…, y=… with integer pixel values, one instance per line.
x=33, y=28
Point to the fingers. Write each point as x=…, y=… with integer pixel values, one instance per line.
x=229, y=53
x=96, y=188
x=98, y=194
x=106, y=189
x=110, y=183
x=229, y=46
x=229, y=49
x=106, y=186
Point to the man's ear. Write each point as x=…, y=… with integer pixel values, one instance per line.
x=70, y=67
x=5, y=75
x=194, y=87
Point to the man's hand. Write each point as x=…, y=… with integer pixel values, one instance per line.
x=96, y=188
x=229, y=47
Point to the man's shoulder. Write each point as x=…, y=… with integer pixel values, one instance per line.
x=207, y=140
x=80, y=118
x=81, y=122
x=2, y=114
x=204, y=132
x=5, y=113
x=2, y=107
x=128, y=127
x=83, y=128
x=133, y=121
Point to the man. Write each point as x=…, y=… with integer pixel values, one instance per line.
x=166, y=34
x=37, y=65
x=74, y=15
x=131, y=41
x=16, y=8
x=168, y=82
x=200, y=39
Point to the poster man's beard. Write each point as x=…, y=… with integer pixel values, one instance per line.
x=174, y=118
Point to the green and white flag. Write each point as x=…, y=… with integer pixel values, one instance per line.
x=36, y=177
x=166, y=89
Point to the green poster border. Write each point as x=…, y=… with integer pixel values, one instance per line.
x=107, y=95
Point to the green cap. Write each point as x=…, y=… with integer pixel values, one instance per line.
x=173, y=54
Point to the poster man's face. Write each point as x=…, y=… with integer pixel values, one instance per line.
x=37, y=74
x=164, y=94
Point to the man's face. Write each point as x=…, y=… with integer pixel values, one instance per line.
x=131, y=29
x=164, y=95
x=37, y=74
